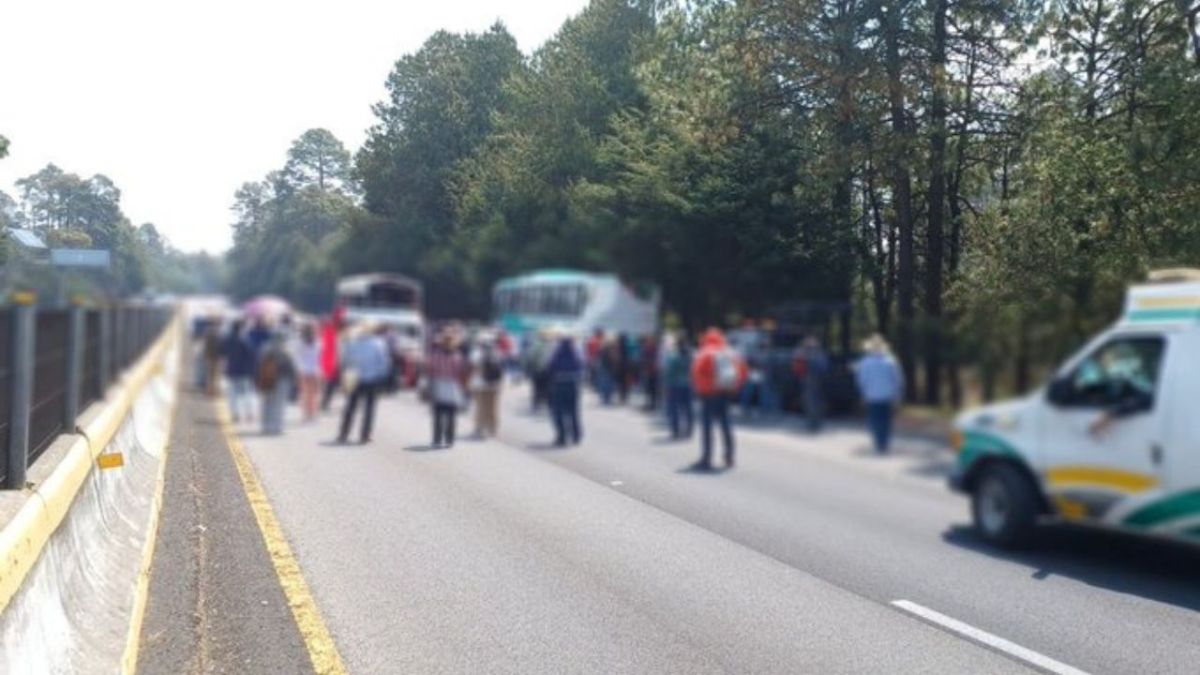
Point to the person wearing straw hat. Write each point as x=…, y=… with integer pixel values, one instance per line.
x=446, y=374
x=880, y=383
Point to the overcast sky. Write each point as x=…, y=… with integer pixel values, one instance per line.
x=180, y=103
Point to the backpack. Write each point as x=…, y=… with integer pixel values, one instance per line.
x=725, y=370
x=800, y=367
x=268, y=372
x=492, y=373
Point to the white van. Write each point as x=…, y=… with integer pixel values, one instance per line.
x=1112, y=440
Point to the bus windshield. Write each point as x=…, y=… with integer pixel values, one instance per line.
x=564, y=300
x=379, y=293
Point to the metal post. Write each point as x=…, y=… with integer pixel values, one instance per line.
x=106, y=349
x=75, y=339
x=22, y=388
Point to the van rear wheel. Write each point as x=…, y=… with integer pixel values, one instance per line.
x=1004, y=505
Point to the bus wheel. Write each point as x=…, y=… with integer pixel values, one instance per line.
x=1004, y=505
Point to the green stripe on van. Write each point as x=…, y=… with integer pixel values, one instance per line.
x=977, y=444
x=1170, y=508
x=1161, y=315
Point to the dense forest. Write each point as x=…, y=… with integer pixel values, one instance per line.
x=980, y=178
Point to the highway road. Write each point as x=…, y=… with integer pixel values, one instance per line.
x=812, y=556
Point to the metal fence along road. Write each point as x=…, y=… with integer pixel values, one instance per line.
x=56, y=362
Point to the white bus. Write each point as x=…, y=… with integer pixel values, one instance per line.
x=386, y=299
x=577, y=302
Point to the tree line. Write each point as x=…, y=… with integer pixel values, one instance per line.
x=69, y=211
x=980, y=178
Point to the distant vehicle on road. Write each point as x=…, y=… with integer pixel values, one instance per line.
x=390, y=300
x=574, y=301
x=1110, y=441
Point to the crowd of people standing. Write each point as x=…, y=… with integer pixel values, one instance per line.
x=267, y=364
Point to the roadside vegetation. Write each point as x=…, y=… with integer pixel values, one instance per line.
x=981, y=178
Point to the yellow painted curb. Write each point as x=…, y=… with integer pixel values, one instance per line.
x=322, y=651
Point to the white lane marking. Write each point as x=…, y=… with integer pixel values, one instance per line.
x=616, y=483
x=995, y=642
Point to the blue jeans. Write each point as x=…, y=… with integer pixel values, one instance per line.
x=814, y=403
x=564, y=405
x=679, y=410
x=715, y=410
x=604, y=384
x=879, y=419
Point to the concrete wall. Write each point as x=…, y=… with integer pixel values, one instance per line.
x=75, y=549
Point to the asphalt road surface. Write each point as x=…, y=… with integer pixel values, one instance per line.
x=812, y=556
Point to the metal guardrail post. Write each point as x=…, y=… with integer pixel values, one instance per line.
x=106, y=350
x=75, y=338
x=23, y=323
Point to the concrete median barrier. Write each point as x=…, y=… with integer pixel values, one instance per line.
x=75, y=544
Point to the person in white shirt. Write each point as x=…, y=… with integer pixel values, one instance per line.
x=307, y=355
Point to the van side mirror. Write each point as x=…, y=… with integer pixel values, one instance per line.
x=1059, y=392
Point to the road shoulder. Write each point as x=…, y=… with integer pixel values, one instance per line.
x=215, y=603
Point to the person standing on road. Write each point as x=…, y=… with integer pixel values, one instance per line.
x=718, y=373
x=200, y=326
x=446, y=374
x=275, y=373
x=212, y=358
x=880, y=383
x=592, y=349
x=624, y=366
x=678, y=374
x=607, y=368
x=650, y=374
x=308, y=365
x=811, y=366
x=565, y=371
x=365, y=368
x=331, y=368
x=487, y=397
x=536, y=356
x=239, y=371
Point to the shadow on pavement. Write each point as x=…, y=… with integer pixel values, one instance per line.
x=542, y=447
x=427, y=448
x=694, y=470
x=1161, y=571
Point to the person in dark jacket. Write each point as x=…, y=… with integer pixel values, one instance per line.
x=678, y=374
x=565, y=371
x=259, y=335
x=239, y=371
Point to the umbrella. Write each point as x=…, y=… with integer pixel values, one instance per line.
x=266, y=307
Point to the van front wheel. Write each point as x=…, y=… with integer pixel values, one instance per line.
x=1004, y=506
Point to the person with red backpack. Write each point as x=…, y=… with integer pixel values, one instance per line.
x=718, y=374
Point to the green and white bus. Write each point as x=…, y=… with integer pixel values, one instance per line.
x=574, y=301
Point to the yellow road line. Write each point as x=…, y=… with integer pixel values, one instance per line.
x=1116, y=479
x=321, y=649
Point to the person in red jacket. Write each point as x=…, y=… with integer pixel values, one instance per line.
x=718, y=374
x=331, y=370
